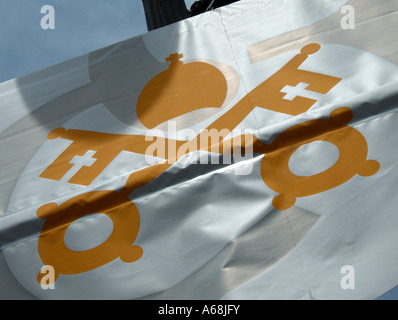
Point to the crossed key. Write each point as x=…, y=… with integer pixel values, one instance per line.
x=104, y=147
x=98, y=149
x=269, y=94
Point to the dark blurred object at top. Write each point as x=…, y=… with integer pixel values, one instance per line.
x=202, y=6
x=160, y=13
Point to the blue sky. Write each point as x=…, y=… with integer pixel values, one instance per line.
x=81, y=26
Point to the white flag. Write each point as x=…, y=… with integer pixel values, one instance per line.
x=245, y=153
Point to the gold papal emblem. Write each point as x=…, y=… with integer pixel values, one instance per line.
x=165, y=97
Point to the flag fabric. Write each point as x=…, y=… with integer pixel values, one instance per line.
x=246, y=153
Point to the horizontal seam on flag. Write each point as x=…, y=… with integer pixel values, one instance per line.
x=366, y=187
x=35, y=235
x=220, y=10
x=97, y=187
x=375, y=117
